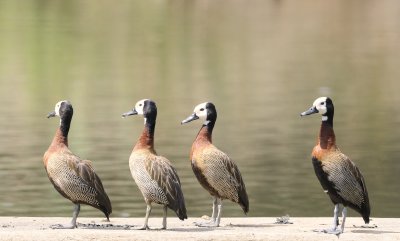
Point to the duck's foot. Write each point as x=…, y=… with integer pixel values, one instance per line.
x=210, y=223
x=335, y=231
x=144, y=227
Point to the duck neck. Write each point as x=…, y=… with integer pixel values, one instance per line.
x=326, y=137
x=146, y=140
x=205, y=133
x=61, y=136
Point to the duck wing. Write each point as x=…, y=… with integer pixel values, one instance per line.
x=223, y=175
x=348, y=183
x=165, y=175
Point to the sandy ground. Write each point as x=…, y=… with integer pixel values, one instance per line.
x=37, y=228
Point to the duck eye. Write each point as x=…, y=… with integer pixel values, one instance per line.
x=202, y=109
x=140, y=104
x=322, y=103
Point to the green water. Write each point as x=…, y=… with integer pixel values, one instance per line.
x=260, y=62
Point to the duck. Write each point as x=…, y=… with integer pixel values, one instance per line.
x=215, y=170
x=154, y=175
x=75, y=179
x=339, y=176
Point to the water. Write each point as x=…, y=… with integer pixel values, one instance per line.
x=260, y=62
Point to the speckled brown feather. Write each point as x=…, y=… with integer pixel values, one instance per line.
x=338, y=175
x=73, y=178
x=216, y=172
x=156, y=178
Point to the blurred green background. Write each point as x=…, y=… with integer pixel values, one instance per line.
x=260, y=62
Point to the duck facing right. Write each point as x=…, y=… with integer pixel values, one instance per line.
x=339, y=176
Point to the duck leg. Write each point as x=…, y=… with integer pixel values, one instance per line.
x=72, y=225
x=334, y=229
x=216, y=215
x=146, y=219
x=344, y=215
x=335, y=221
x=219, y=213
x=213, y=216
x=164, y=222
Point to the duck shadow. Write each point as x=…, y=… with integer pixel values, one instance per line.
x=194, y=229
x=370, y=231
x=136, y=228
x=183, y=229
x=107, y=226
x=253, y=225
x=226, y=227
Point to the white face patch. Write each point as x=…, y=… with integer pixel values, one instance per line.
x=324, y=118
x=57, y=107
x=320, y=104
x=201, y=111
x=139, y=107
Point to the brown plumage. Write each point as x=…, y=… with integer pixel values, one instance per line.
x=214, y=170
x=73, y=178
x=339, y=176
x=156, y=178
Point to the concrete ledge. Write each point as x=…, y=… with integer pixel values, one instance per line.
x=37, y=228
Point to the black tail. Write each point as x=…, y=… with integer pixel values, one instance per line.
x=106, y=212
x=176, y=201
x=181, y=213
x=180, y=208
x=365, y=211
x=244, y=199
x=104, y=204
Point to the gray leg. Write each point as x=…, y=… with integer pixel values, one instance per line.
x=164, y=222
x=334, y=229
x=75, y=214
x=336, y=217
x=216, y=215
x=215, y=209
x=213, y=215
x=146, y=219
x=219, y=213
x=344, y=215
x=72, y=225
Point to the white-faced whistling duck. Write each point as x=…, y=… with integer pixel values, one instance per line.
x=215, y=171
x=73, y=178
x=339, y=176
x=156, y=178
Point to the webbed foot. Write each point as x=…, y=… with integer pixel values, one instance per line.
x=211, y=223
x=335, y=231
x=144, y=227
